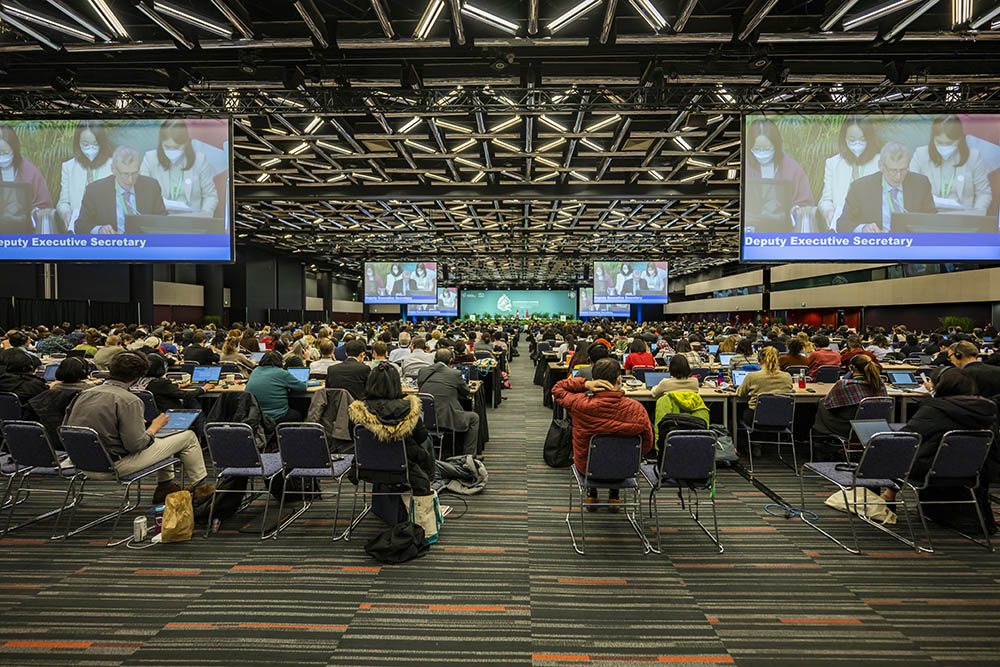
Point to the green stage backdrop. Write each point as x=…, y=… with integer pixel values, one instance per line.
x=509, y=303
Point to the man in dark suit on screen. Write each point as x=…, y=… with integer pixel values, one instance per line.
x=873, y=199
x=107, y=201
x=447, y=386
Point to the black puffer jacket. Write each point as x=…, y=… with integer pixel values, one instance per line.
x=393, y=419
x=937, y=416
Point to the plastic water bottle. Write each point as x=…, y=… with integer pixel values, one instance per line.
x=802, y=379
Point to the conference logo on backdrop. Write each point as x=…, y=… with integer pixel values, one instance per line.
x=503, y=304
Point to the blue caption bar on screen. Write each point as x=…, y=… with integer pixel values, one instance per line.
x=399, y=298
x=923, y=247
x=127, y=247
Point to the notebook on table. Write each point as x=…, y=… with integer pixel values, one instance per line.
x=177, y=421
x=902, y=379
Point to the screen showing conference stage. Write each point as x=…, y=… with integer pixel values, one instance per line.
x=446, y=306
x=131, y=189
x=401, y=282
x=630, y=282
x=519, y=303
x=590, y=309
x=889, y=187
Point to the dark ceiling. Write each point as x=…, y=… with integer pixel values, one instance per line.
x=513, y=159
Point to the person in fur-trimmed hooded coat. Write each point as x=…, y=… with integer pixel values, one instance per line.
x=391, y=415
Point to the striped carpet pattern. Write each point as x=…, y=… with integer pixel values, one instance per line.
x=504, y=587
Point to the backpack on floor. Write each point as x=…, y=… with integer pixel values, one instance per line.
x=558, y=448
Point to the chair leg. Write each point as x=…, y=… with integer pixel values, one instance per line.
x=121, y=509
x=211, y=506
x=267, y=503
x=13, y=503
x=803, y=513
x=578, y=548
x=336, y=511
x=982, y=522
x=655, y=512
x=635, y=518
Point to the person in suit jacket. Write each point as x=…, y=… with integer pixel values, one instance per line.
x=873, y=199
x=447, y=386
x=107, y=201
x=964, y=355
x=352, y=373
x=198, y=353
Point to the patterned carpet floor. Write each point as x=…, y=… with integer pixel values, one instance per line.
x=504, y=587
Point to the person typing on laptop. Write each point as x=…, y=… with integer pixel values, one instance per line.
x=872, y=200
x=107, y=201
x=116, y=414
x=770, y=379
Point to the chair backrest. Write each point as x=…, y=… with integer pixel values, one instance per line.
x=429, y=414
x=28, y=444
x=961, y=454
x=10, y=406
x=149, y=409
x=473, y=371
x=303, y=445
x=85, y=449
x=103, y=375
x=230, y=367
x=795, y=371
x=888, y=456
x=774, y=410
x=613, y=457
x=828, y=374
x=875, y=407
x=231, y=445
x=188, y=367
x=544, y=346
x=688, y=455
x=482, y=354
x=374, y=455
x=702, y=373
x=639, y=372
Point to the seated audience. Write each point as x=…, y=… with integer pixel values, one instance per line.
x=198, y=352
x=380, y=353
x=462, y=353
x=684, y=349
x=794, y=356
x=598, y=407
x=419, y=358
x=53, y=343
x=18, y=375
x=447, y=386
x=231, y=355
x=116, y=414
x=167, y=394
x=594, y=353
x=270, y=383
x=770, y=379
x=912, y=345
x=744, y=355
x=639, y=355
x=822, y=355
x=965, y=355
x=352, y=373
x=320, y=366
x=484, y=344
x=836, y=410
x=879, y=347
x=680, y=378
x=404, y=349
x=49, y=407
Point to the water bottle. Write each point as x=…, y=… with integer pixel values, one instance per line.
x=722, y=378
x=215, y=525
x=802, y=379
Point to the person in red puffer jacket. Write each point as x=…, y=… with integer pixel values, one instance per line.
x=603, y=411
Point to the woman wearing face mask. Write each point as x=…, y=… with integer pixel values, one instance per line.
x=768, y=161
x=957, y=173
x=16, y=169
x=91, y=161
x=184, y=175
x=858, y=156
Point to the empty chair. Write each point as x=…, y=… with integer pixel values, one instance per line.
x=612, y=463
x=775, y=415
x=91, y=457
x=32, y=455
x=10, y=406
x=688, y=463
x=429, y=416
x=795, y=371
x=234, y=454
x=885, y=462
x=827, y=374
x=305, y=455
x=230, y=367
x=377, y=462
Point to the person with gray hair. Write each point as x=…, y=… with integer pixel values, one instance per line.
x=873, y=200
x=107, y=201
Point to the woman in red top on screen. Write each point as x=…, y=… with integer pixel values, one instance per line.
x=767, y=160
x=16, y=169
x=639, y=355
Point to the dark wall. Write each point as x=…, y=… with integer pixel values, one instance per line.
x=291, y=285
x=261, y=283
x=99, y=282
x=21, y=280
x=926, y=317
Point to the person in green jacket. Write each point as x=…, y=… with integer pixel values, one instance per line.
x=270, y=383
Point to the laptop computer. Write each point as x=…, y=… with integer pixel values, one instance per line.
x=76, y=353
x=302, y=375
x=713, y=349
x=739, y=376
x=50, y=372
x=203, y=375
x=725, y=357
x=866, y=428
x=653, y=378
x=256, y=357
x=262, y=347
x=834, y=347
x=174, y=224
x=943, y=223
x=465, y=370
x=177, y=421
x=902, y=379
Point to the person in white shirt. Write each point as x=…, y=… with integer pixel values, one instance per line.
x=91, y=161
x=325, y=360
x=419, y=358
x=424, y=281
x=958, y=173
x=858, y=156
x=184, y=175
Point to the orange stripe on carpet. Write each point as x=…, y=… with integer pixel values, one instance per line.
x=591, y=581
x=29, y=643
x=282, y=568
x=462, y=607
x=360, y=569
x=552, y=656
x=847, y=621
x=167, y=572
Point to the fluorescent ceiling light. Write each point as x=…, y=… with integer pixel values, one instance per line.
x=419, y=146
x=409, y=125
x=573, y=14
x=837, y=14
x=28, y=30
x=429, y=18
x=655, y=174
x=604, y=123
x=235, y=18
x=108, y=17
x=47, y=21
x=478, y=177
x=731, y=175
x=503, y=144
x=270, y=163
x=551, y=123
x=551, y=174
x=452, y=126
x=437, y=177
x=489, y=19
x=510, y=122
x=579, y=176
x=680, y=141
x=877, y=12
x=551, y=145
x=314, y=26
x=80, y=19
x=314, y=125
x=911, y=17
x=695, y=177
x=338, y=177
x=468, y=163
x=334, y=147
x=298, y=149
x=184, y=14
x=464, y=145
x=701, y=163
x=263, y=177
x=650, y=14
x=961, y=11
x=367, y=177
x=547, y=162
x=591, y=145
x=975, y=25
x=383, y=18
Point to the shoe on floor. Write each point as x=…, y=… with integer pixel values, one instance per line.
x=201, y=492
x=163, y=490
x=614, y=503
x=590, y=503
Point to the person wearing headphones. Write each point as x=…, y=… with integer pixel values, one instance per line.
x=965, y=355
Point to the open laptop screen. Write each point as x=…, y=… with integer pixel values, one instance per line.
x=206, y=374
x=300, y=374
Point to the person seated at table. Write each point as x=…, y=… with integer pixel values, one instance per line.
x=53, y=342
x=770, y=379
x=794, y=356
x=198, y=352
x=49, y=407
x=167, y=394
x=89, y=345
x=116, y=414
x=854, y=349
x=639, y=355
x=597, y=407
x=587, y=358
x=16, y=168
x=326, y=359
x=270, y=383
x=484, y=344
x=879, y=347
x=680, y=378
x=352, y=373
x=836, y=410
x=912, y=345
x=391, y=415
x=380, y=353
x=447, y=386
x=183, y=174
x=953, y=406
x=231, y=355
x=419, y=358
x=18, y=375
x=684, y=349
x=957, y=172
x=872, y=200
x=822, y=355
x=403, y=349
x=462, y=353
x=744, y=355
x=965, y=355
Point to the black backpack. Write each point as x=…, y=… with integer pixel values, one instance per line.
x=558, y=449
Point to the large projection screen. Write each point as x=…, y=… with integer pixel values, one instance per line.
x=630, y=282
x=126, y=190
x=590, y=309
x=519, y=303
x=401, y=282
x=891, y=187
x=446, y=306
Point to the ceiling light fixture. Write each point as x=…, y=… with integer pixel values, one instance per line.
x=419, y=146
x=160, y=21
x=961, y=11
x=383, y=18
x=314, y=21
x=79, y=18
x=489, y=19
x=551, y=174
x=314, y=125
x=553, y=124
x=410, y=124
x=452, y=126
x=573, y=14
x=298, y=149
x=650, y=14
x=910, y=18
x=270, y=163
x=577, y=175
x=655, y=174
x=876, y=13
x=975, y=25
x=28, y=30
x=680, y=141
x=45, y=21
x=760, y=9
x=234, y=18
x=428, y=19
x=551, y=145
x=695, y=177
x=604, y=123
x=186, y=15
x=109, y=18
x=510, y=122
x=591, y=145
x=837, y=14
x=468, y=143
x=503, y=144
x=700, y=163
